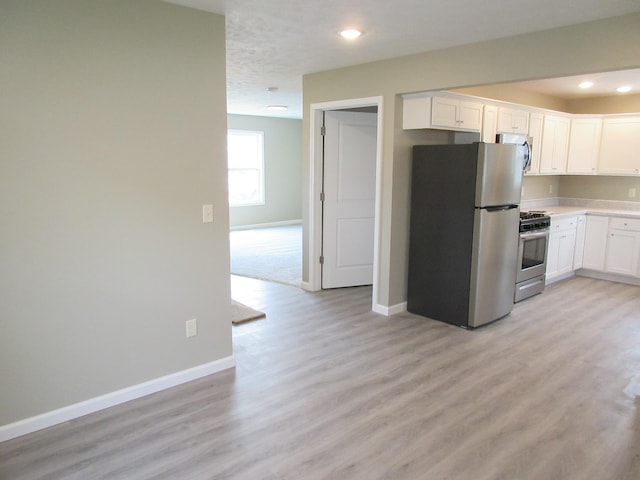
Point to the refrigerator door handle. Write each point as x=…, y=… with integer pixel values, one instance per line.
x=500, y=208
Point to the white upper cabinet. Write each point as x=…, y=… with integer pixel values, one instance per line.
x=489, y=124
x=555, y=144
x=512, y=120
x=416, y=111
x=456, y=114
x=561, y=143
x=619, y=152
x=535, y=132
x=584, y=145
x=441, y=112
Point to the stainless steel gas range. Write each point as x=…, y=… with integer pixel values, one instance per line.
x=532, y=254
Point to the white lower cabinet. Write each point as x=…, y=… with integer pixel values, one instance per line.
x=581, y=230
x=562, y=243
x=595, y=243
x=623, y=247
x=612, y=245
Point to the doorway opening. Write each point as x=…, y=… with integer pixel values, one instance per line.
x=316, y=240
x=265, y=199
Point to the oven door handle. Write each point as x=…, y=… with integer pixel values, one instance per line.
x=532, y=235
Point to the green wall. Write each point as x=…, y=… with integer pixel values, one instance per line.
x=113, y=120
x=283, y=175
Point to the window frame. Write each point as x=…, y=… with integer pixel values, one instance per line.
x=260, y=167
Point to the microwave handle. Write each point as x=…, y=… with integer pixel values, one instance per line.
x=527, y=156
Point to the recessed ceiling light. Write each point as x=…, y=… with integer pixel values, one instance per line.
x=586, y=84
x=277, y=107
x=351, y=34
x=624, y=89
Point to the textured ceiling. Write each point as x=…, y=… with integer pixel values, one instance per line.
x=273, y=43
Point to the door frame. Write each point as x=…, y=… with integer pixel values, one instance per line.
x=315, y=187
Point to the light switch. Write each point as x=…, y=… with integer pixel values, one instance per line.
x=191, y=327
x=207, y=213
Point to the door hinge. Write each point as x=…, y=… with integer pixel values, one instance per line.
x=322, y=196
x=323, y=130
x=321, y=260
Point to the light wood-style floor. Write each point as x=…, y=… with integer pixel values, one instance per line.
x=325, y=389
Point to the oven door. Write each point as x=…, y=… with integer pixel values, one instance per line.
x=532, y=254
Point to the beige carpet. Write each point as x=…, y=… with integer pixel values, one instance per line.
x=241, y=313
x=271, y=253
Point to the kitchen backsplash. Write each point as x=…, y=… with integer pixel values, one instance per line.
x=541, y=203
x=619, y=189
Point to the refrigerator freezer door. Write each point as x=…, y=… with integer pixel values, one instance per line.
x=494, y=264
x=499, y=175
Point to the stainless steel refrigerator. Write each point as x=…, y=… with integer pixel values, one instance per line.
x=463, y=241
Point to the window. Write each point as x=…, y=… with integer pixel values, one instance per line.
x=246, y=167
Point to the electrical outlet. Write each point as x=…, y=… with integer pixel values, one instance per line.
x=551, y=188
x=207, y=213
x=192, y=327
x=632, y=193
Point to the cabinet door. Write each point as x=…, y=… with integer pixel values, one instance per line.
x=470, y=116
x=513, y=121
x=566, y=249
x=444, y=112
x=619, y=148
x=580, y=233
x=489, y=123
x=416, y=112
x=555, y=143
x=584, y=145
x=552, y=254
x=623, y=250
x=535, y=132
x=595, y=243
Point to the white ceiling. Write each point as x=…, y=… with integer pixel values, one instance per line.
x=273, y=43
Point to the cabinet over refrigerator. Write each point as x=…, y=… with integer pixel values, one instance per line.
x=463, y=241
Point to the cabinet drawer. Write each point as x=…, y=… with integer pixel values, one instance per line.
x=564, y=223
x=631, y=224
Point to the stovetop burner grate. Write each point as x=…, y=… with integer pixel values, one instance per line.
x=534, y=220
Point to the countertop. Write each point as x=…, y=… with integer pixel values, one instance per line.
x=567, y=210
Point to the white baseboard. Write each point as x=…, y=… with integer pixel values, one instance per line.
x=266, y=225
x=306, y=286
x=54, y=417
x=392, y=310
x=611, y=277
x=557, y=278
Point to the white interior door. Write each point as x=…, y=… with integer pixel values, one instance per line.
x=348, y=213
